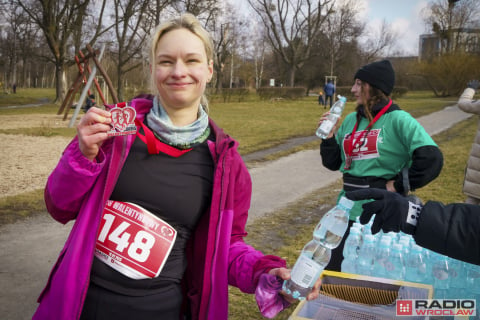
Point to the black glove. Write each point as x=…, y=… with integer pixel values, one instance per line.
x=393, y=212
x=474, y=84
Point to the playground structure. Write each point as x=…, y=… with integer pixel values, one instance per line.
x=83, y=72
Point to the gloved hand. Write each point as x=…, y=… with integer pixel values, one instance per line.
x=474, y=84
x=393, y=212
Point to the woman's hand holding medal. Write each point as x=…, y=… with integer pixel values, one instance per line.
x=92, y=131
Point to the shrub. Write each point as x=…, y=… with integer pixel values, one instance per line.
x=268, y=93
x=399, y=92
x=237, y=94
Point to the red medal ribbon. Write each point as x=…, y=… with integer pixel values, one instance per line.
x=156, y=146
x=353, y=141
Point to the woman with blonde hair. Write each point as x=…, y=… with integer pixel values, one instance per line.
x=160, y=214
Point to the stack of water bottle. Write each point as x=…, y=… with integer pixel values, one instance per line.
x=396, y=256
x=316, y=254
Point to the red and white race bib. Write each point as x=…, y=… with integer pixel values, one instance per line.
x=366, y=144
x=133, y=241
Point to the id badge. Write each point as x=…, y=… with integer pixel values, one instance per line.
x=133, y=241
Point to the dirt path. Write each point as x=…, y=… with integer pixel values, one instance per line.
x=26, y=161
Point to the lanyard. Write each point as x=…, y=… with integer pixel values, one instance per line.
x=156, y=146
x=353, y=141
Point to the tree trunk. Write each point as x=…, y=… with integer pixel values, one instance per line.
x=291, y=76
x=60, y=82
x=120, y=89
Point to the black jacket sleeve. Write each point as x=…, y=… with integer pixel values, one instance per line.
x=331, y=154
x=427, y=163
x=451, y=230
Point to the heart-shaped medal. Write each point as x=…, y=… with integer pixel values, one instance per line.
x=123, y=120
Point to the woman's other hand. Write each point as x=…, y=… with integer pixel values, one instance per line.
x=284, y=274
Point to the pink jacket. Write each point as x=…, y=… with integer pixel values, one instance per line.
x=217, y=255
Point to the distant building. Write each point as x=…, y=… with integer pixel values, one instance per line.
x=464, y=39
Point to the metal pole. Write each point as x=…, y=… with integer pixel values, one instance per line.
x=85, y=90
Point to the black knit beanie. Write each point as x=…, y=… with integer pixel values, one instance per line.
x=378, y=74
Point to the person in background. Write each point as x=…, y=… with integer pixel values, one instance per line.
x=182, y=168
x=450, y=230
x=329, y=90
x=379, y=145
x=320, y=99
x=471, y=185
x=90, y=102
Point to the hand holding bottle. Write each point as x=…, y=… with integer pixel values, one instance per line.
x=328, y=122
x=325, y=117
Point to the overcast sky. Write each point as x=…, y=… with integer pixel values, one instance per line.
x=403, y=15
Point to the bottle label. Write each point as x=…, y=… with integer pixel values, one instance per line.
x=326, y=126
x=306, y=271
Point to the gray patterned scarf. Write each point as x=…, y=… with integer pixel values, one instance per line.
x=180, y=137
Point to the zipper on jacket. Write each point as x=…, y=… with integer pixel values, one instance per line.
x=217, y=227
x=87, y=284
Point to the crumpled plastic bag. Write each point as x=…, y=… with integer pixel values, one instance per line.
x=268, y=297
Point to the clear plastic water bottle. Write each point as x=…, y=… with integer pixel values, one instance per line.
x=316, y=254
x=473, y=282
x=440, y=275
x=473, y=278
x=395, y=265
x=382, y=254
x=366, y=255
x=457, y=278
x=350, y=250
x=335, y=113
x=415, y=265
x=331, y=228
x=307, y=269
x=427, y=254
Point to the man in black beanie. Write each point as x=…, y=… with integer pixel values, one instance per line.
x=379, y=145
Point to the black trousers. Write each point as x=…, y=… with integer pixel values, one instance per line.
x=331, y=100
x=336, y=259
x=103, y=304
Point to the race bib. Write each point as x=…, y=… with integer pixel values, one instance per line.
x=133, y=241
x=366, y=144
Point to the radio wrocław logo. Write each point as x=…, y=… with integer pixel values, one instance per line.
x=436, y=307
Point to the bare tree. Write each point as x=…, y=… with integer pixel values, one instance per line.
x=223, y=42
x=292, y=27
x=132, y=28
x=379, y=41
x=59, y=21
x=207, y=10
x=449, y=18
x=343, y=28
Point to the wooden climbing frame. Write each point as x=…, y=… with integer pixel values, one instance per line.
x=83, y=72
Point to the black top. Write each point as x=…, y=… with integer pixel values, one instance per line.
x=178, y=190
